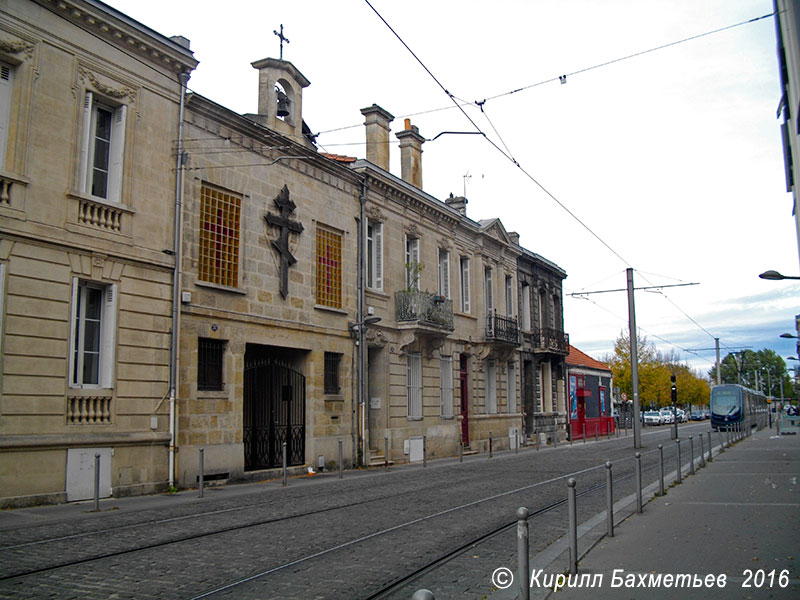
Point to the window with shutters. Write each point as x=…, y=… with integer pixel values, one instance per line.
x=375, y=255
x=446, y=386
x=491, y=387
x=219, y=237
x=6, y=80
x=465, y=285
x=511, y=371
x=329, y=268
x=525, y=309
x=102, y=148
x=509, y=296
x=444, y=273
x=413, y=266
x=93, y=334
x=414, y=387
x=489, y=289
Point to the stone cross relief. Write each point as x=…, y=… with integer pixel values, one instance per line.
x=281, y=245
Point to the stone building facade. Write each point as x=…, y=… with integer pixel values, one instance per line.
x=443, y=361
x=268, y=288
x=317, y=302
x=545, y=345
x=88, y=121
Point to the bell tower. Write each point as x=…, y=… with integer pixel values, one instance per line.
x=280, y=97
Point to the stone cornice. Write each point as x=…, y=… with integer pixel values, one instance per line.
x=120, y=30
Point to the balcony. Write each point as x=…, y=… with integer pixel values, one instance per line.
x=502, y=329
x=424, y=309
x=547, y=339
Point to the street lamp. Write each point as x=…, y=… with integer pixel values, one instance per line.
x=775, y=276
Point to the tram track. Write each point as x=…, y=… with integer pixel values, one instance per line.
x=428, y=486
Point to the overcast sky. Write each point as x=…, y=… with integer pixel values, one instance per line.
x=669, y=162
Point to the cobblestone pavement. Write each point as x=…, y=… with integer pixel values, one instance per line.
x=319, y=537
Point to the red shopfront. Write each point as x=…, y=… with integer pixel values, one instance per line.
x=590, y=408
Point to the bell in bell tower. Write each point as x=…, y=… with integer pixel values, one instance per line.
x=280, y=97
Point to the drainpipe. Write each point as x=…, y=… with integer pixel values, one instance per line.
x=183, y=78
x=362, y=379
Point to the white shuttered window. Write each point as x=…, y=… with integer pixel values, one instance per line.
x=414, y=390
x=446, y=385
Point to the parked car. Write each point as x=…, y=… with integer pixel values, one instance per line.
x=652, y=417
x=682, y=418
x=666, y=416
x=697, y=415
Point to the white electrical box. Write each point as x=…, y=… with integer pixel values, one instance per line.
x=80, y=473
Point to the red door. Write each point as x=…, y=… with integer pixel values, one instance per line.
x=464, y=402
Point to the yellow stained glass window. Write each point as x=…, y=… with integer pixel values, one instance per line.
x=329, y=268
x=219, y=237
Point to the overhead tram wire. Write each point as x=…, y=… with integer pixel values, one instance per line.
x=513, y=160
x=570, y=74
x=495, y=146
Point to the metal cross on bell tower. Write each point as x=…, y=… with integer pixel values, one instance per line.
x=282, y=38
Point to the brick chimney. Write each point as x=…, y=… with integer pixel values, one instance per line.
x=411, y=154
x=376, y=121
x=457, y=202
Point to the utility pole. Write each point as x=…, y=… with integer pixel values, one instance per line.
x=637, y=432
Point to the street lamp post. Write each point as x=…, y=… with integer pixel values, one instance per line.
x=775, y=276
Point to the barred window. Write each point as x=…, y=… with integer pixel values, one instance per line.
x=219, y=237
x=329, y=268
x=209, y=364
x=332, y=361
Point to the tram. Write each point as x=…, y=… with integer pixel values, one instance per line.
x=732, y=404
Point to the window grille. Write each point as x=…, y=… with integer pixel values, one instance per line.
x=209, y=364
x=219, y=237
x=329, y=268
x=332, y=362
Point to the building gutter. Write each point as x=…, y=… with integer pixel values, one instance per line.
x=176, y=283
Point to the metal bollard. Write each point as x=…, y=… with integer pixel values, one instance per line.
x=386, y=452
x=516, y=444
x=678, y=442
x=573, y=527
x=536, y=433
x=638, y=456
x=691, y=455
x=702, y=452
x=202, y=470
x=710, y=457
x=285, y=477
x=660, y=470
x=609, y=501
x=423, y=595
x=523, y=569
x=583, y=431
x=595, y=432
x=490, y=444
x=460, y=450
x=340, y=459
x=721, y=442
x=424, y=450
x=97, y=482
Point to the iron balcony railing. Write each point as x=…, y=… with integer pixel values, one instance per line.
x=502, y=329
x=547, y=338
x=425, y=308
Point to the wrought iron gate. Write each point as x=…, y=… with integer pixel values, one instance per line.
x=274, y=412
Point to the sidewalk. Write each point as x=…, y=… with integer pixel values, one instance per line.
x=737, y=520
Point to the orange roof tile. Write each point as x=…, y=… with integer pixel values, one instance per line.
x=339, y=157
x=576, y=358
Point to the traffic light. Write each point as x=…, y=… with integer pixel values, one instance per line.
x=674, y=390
